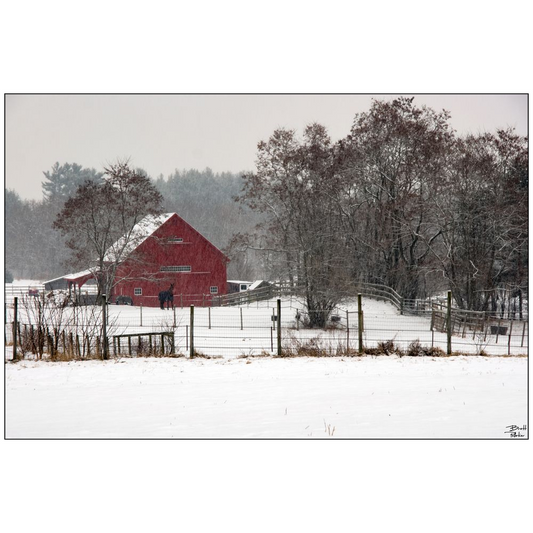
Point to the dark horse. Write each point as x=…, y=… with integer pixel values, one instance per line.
x=168, y=297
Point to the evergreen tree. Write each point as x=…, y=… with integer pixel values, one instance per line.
x=63, y=181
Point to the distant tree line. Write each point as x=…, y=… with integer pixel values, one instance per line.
x=401, y=201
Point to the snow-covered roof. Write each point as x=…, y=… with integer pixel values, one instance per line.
x=140, y=232
x=71, y=277
x=239, y=282
x=77, y=275
x=255, y=284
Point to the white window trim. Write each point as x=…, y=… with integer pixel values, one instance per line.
x=211, y=291
x=138, y=291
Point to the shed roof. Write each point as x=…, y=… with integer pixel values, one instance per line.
x=77, y=277
x=257, y=284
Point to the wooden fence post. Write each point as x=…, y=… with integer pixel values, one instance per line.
x=15, y=320
x=33, y=343
x=279, y=326
x=50, y=342
x=360, y=320
x=191, y=355
x=104, y=328
x=449, y=324
x=510, y=333
x=347, y=331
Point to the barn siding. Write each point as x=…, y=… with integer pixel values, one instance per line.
x=208, y=267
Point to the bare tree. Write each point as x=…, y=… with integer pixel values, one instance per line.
x=394, y=160
x=484, y=220
x=100, y=220
x=293, y=186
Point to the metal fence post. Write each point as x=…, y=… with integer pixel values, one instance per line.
x=279, y=326
x=360, y=321
x=449, y=324
x=191, y=341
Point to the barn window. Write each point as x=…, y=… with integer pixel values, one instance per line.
x=138, y=291
x=174, y=240
x=179, y=268
x=213, y=290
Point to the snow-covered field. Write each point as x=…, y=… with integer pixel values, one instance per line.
x=359, y=397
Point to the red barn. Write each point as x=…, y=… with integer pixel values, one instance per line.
x=166, y=250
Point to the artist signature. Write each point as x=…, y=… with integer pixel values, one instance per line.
x=516, y=431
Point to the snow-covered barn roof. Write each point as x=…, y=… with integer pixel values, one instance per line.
x=140, y=232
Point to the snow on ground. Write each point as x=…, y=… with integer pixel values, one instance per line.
x=267, y=397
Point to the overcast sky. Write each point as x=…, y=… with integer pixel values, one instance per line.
x=161, y=133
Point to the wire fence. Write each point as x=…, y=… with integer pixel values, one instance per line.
x=259, y=327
